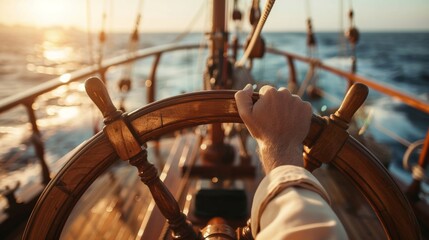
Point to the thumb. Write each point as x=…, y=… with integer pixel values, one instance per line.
x=244, y=102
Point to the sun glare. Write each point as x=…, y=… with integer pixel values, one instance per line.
x=65, y=77
x=51, y=12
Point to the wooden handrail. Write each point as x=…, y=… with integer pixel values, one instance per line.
x=33, y=93
x=405, y=98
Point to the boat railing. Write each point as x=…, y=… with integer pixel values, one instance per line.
x=29, y=97
x=372, y=84
x=407, y=99
x=314, y=63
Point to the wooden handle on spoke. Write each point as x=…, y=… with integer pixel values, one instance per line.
x=354, y=98
x=98, y=93
x=329, y=142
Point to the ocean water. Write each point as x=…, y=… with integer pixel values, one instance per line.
x=29, y=57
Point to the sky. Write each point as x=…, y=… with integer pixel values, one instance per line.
x=176, y=15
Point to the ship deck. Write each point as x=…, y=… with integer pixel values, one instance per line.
x=119, y=206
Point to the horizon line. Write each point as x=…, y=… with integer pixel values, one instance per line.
x=74, y=28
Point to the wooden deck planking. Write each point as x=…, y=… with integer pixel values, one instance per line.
x=114, y=207
x=102, y=206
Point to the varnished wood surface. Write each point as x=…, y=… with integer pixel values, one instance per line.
x=350, y=205
x=200, y=108
x=370, y=177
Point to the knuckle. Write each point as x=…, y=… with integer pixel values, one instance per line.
x=267, y=90
x=284, y=90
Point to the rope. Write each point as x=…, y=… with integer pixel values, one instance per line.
x=190, y=24
x=411, y=148
x=393, y=135
x=267, y=9
x=312, y=52
x=102, y=36
x=351, y=3
x=140, y=7
x=95, y=115
x=307, y=8
x=88, y=29
x=341, y=39
x=125, y=83
x=104, y=16
x=201, y=47
x=307, y=80
x=418, y=173
x=134, y=39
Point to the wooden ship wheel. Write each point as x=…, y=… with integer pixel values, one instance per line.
x=125, y=134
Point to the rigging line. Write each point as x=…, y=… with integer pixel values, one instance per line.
x=342, y=44
x=125, y=83
x=88, y=29
x=138, y=18
x=111, y=11
x=139, y=13
x=140, y=7
x=202, y=41
x=267, y=9
x=407, y=155
x=392, y=135
x=104, y=15
x=368, y=121
x=102, y=36
x=351, y=4
x=307, y=8
x=134, y=34
x=191, y=24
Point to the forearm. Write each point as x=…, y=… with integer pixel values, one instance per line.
x=290, y=202
x=298, y=213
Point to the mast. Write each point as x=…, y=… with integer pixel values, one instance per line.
x=216, y=77
x=216, y=74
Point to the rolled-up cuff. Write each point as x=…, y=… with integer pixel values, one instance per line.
x=275, y=182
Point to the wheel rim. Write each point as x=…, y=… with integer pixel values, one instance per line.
x=93, y=157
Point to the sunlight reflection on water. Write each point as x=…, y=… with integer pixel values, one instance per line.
x=55, y=55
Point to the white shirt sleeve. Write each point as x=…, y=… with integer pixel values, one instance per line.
x=291, y=204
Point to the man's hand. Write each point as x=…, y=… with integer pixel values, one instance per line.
x=279, y=121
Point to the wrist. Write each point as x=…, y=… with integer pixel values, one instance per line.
x=275, y=156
